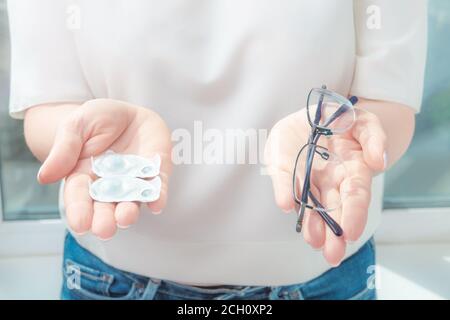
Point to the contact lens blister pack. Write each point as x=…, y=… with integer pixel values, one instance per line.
x=124, y=188
x=125, y=177
x=112, y=164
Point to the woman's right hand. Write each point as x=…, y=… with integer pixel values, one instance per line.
x=89, y=130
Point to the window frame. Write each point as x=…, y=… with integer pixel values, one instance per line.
x=30, y=237
x=408, y=225
x=398, y=226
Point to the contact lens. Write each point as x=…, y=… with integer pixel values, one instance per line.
x=112, y=164
x=124, y=188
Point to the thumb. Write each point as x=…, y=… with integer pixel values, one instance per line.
x=278, y=159
x=64, y=153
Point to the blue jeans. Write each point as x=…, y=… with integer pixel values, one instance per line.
x=87, y=277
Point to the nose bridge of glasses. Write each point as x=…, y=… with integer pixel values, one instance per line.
x=323, y=131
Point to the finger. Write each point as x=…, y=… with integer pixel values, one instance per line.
x=314, y=227
x=282, y=188
x=126, y=214
x=103, y=222
x=166, y=168
x=369, y=132
x=334, y=248
x=279, y=156
x=157, y=206
x=355, y=195
x=78, y=203
x=64, y=153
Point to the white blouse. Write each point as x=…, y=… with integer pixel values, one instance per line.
x=228, y=64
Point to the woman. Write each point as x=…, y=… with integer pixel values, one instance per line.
x=89, y=76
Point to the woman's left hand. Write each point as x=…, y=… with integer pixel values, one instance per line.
x=362, y=150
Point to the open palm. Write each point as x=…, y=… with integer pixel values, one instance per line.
x=95, y=127
x=361, y=150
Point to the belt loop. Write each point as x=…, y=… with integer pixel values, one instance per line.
x=275, y=293
x=151, y=289
x=241, y=293
x=296, y=294
x=293, y=292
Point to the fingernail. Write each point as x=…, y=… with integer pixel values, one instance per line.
x=39, y=174
x=385, y=159
x=105, y=239
x=157, y=212
x=122, y=227
x=318, y=249
x=335, y=265
x=286, y=211
x=79, y=234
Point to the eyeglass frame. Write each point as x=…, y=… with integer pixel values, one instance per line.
x=318, y=131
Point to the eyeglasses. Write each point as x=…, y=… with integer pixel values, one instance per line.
x=328, y=113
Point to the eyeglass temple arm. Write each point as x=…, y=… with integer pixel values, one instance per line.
x=334, y=226
x=342, y=109
x=306, y=182
x=313, y=140
x=319, y=108
x=309, y=162
x=300, y=205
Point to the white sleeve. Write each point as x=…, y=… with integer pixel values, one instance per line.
x=391, y=45
x=44, y=63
